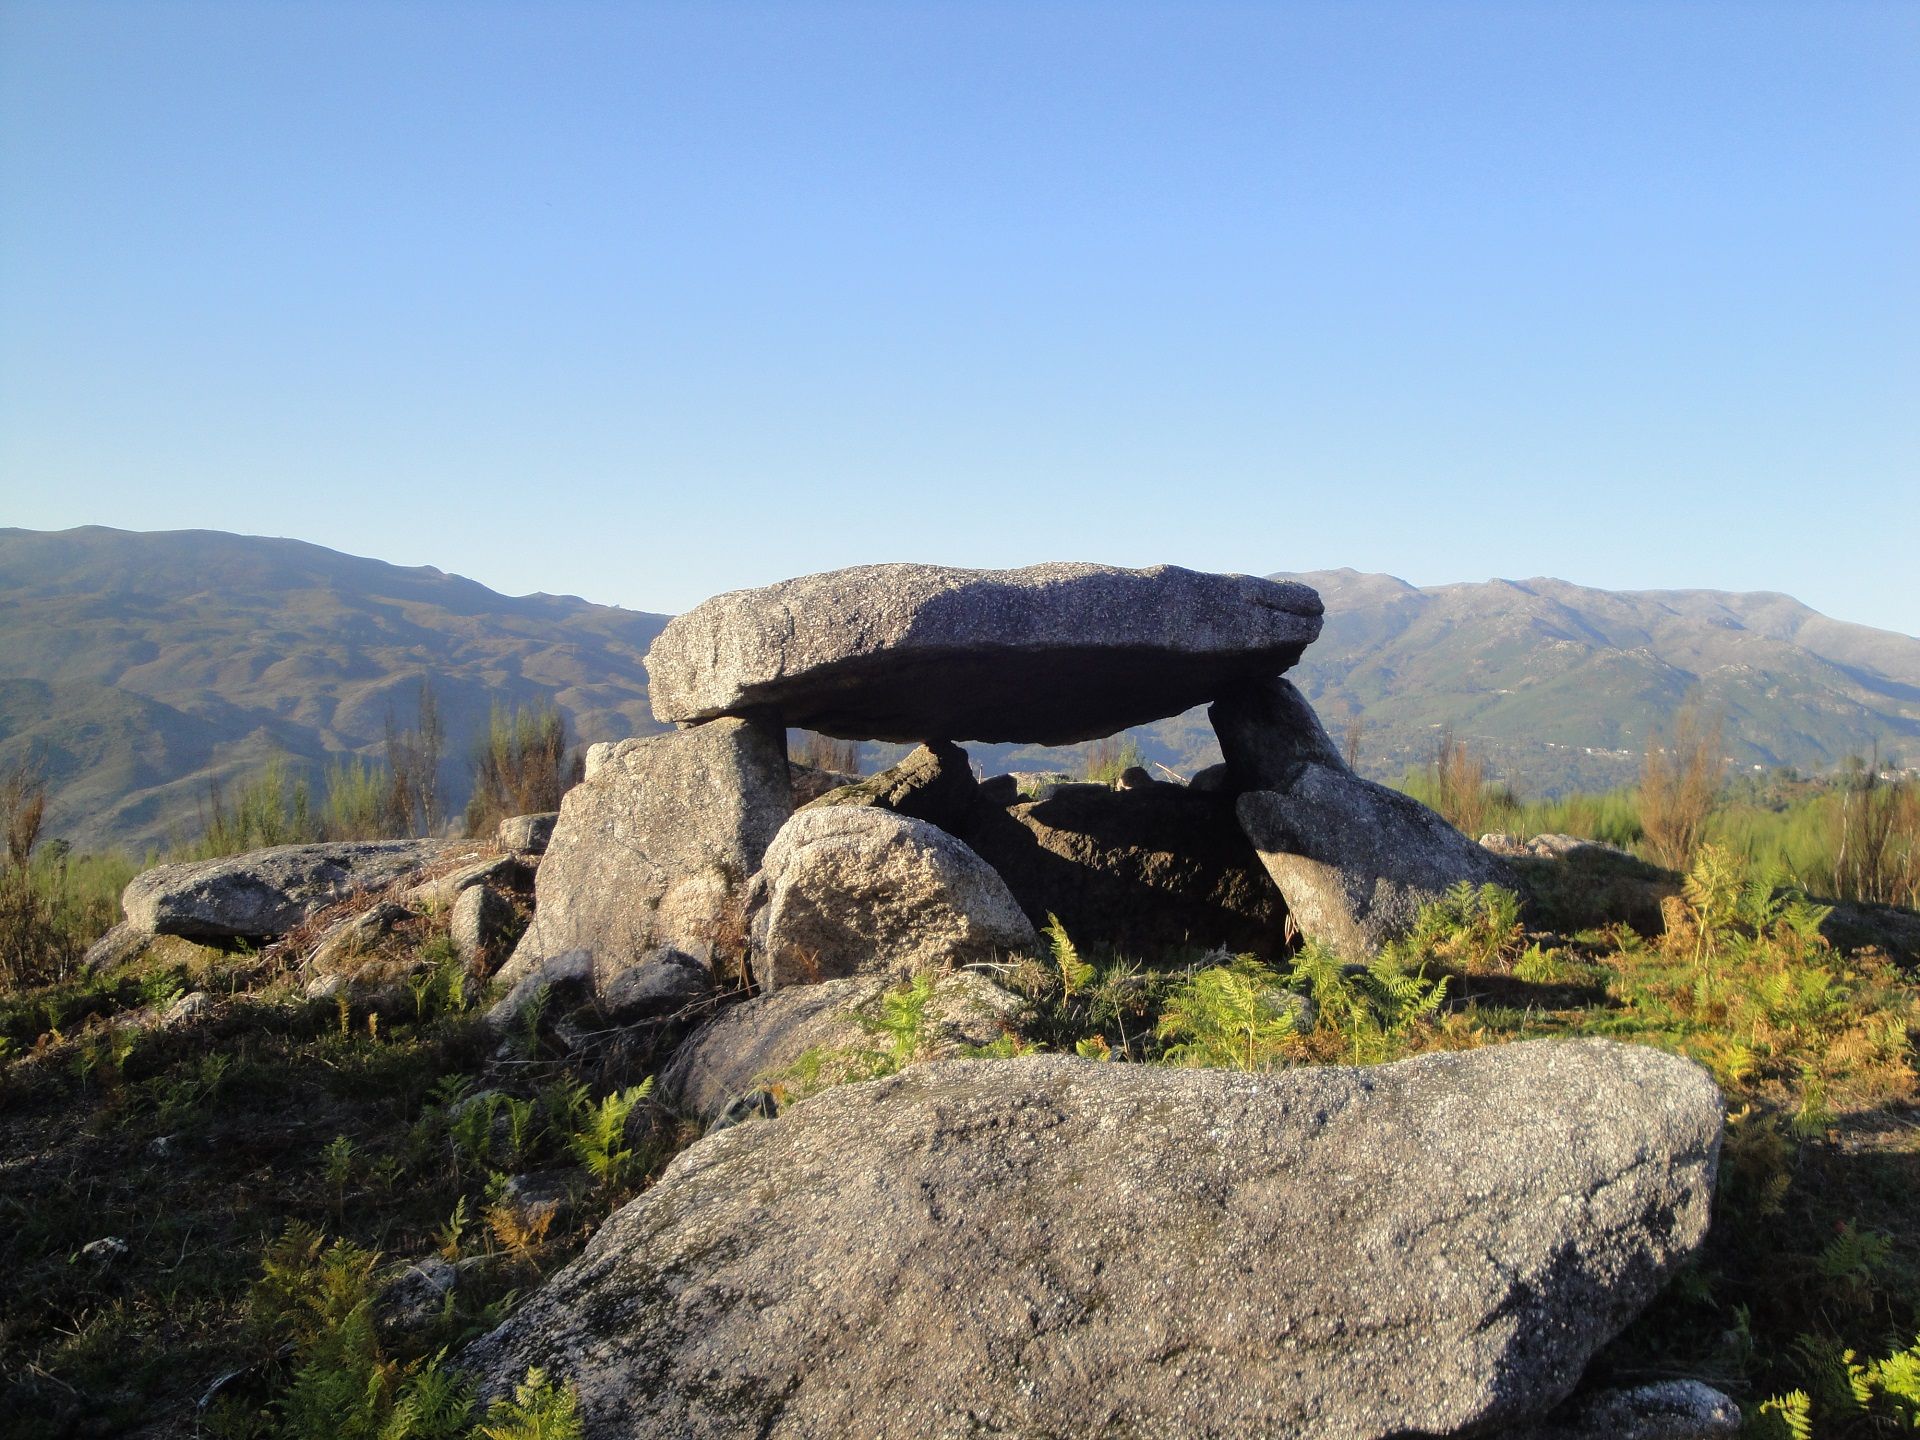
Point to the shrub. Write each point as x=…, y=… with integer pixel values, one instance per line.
x=1238, y=1016
x=1679, y=786
x=520, y=768
x=1112, y=757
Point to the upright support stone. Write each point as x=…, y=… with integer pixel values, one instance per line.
x=1354, y=860
x=653, y=851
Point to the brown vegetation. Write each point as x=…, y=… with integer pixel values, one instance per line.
x=1679, y=784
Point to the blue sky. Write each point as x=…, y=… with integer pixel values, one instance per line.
x=641, y=302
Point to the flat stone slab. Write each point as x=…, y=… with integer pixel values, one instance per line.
x=1050, y=654
x=268, y=892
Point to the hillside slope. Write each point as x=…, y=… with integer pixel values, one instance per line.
x=135, y=668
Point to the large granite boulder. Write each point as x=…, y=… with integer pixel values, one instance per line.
x=1049, y=654
x=1147, y=870
x=653, y=850
x=266, y=893
x=934, y=783
x=853, y=890
x=1056, y=1247
x=757, y=1043
x=1355, y=861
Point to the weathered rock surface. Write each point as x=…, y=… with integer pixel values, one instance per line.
x=268, y=892
x=120, y=945
x=1049, y=654
x=654, y=848
x=527, y=834
x=851, y=890
x=1354, y=861
x=935, y=783
x=503, y=872
x=759, y=1040
x=1146, y=870
x=1052, y=1247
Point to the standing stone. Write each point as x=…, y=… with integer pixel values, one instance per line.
x=654, y=849
x=1354, y=860
x=1057, y=1247
x=1050, y=654
x=526, y=834
x=851, y=890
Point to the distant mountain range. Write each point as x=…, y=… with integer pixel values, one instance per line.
x=137, y=668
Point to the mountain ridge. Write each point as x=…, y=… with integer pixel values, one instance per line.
x=138, y=667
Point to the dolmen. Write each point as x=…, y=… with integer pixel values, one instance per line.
x=1051, y=1245
x=682, y=861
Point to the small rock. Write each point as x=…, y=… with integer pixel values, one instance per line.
x=268, y=892
x=107, y=1250
x=356, y=938
x=669, y=981
x=1211, y=780
x=566, y=978
x=526, y=834
x=481, y=921
x=1669, y=1410
x=188, y=1008
x=119, y=946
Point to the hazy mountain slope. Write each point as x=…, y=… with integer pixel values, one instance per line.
x=1539, y=673
x=134, y=667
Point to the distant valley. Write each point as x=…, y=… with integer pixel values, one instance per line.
x=137, y=668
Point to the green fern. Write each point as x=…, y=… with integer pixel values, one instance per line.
x=1075, y=973
x=1238, y=1016
x=600, y=1142
x=539, y=1410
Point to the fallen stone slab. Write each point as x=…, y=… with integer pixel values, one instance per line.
x=756, y=1044
x=268, y=892
x=653, y=850
x=854, y=890
x=1050, y=654
x=1057, y=1247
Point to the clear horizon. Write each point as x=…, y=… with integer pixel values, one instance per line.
x=646, y=303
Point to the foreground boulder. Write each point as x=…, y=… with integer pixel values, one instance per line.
x=1049, y=654
x=1146, y=870
x=268, y=892
x=1057, y=1247
x=1355, y=861
x=853, y=890
x=757, y=1044
x=652, y=850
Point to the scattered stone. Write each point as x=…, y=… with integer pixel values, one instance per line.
x=1001, y=790
x=503, y=872
x=566, y=977
x=480, y=925
x=670, y=981
x=654, y=849
x=105, y=1251
x=192, y=1006
x=415, y=1296
x=526, y=834
x=1065, y=1247
x=553, y=1192
x=748, y=1047
x=357, y=937
x=268, y=892
x=119, y=946
x=1050, y=654
x=1212, y=780
x=935, y=783
x=852, y=890
x=1669, y=1410
x=1145, y=870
